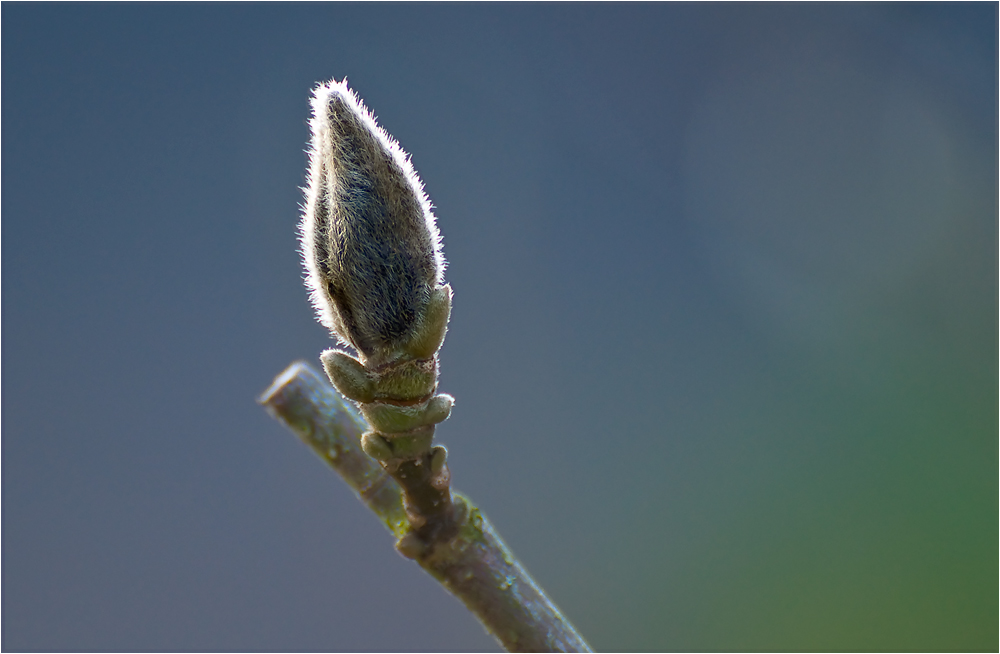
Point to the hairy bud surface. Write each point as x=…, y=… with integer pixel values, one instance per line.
x=370, y=245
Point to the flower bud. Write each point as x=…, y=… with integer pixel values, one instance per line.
x=370, y=245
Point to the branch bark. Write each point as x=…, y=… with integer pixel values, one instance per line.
x=468, y=558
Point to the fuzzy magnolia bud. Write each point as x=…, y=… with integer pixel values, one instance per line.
x=373, y=257
x=369, y=241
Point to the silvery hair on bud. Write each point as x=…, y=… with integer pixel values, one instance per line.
x=370, y=245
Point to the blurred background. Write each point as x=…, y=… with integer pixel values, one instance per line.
x=724, y=340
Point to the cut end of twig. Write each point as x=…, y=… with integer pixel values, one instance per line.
x=273, y=394
x=293, y=370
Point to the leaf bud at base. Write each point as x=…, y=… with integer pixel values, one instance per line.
x=433, y=325
x=348, y=375
x=393, y=418
x=410, y=546
x=375, y=446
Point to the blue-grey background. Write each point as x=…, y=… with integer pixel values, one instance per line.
x=724, y=344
